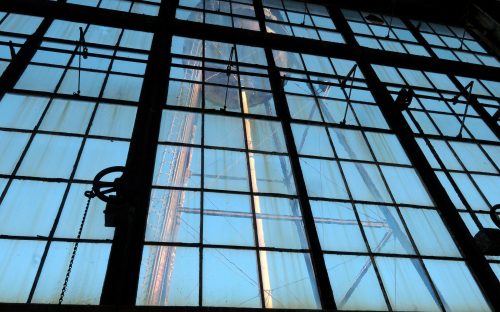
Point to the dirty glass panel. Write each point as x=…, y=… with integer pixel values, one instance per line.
x=337, y=226
x=71, y=217
x=279, y=223
x=350, y=144
x=354, y=283
x=173, y=216
x=456, y=285
x=323, y=178
x=271, y=174
x=406, y=284
x=177, y=166
x=50, y=156
x=384, y=230
x=227, y=219
x=100, y=154
x=13, y=144
x=288, y=280
x=239, y=286
x=113, y=121
x=169, y=276
x=19, y=261
x=87, y=274
x=67, y=116
x=225, y=170
x=265, y=135
x=406, y=186
x=21, y=111
x=365, y=182
x=387, y=148
x=180, y=127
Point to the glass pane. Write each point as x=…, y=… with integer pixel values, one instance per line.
x=423, y=222
x=350, y=144
x=354, y=283
x=271, y=174
x=323, y=178
x=19, y=261
x=174, y=216
x=337, y=226
x=223, y=131
x=36, y=204
x=456, y=286
x=384, y=230
x=265, y=135
x=406, y=186
x=227, y=219
x=288, y=280
x=225, y=170
x=180, y=127
x=177, y=166
x=169, y=276
x=279, y=223
x=365, y=182
x=230, y=278
x=406, y=284
x=311, y=140
x=87, y=274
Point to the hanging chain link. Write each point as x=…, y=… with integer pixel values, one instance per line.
x=89, y=195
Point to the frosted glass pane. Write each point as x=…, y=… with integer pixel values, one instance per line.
x=30, y=207
x=50, y=156
x=456, y=286
x=19, y=261
x=354, y=283
x=223, y=131
x=429, y=232
x=87, y=275
x=72, y=214
x=271, y=174
x=279, y=223
x=311, y=140
x=12, y=147
x=225, y=170
x=67, y=116
x=387, y=148
x=350, y=144
x=337, y=226
x=323, y=178
x=384, y=230
x=30, y=78
x=365, y=182
x=21, y=112
x=121, y=87
x=100, y=154
x=406, y=186
x=288, y=280
x=406, y=284
x=230, y=278
x=227, y=219
x=113, y=121
x=265, y=135
x=169, y=276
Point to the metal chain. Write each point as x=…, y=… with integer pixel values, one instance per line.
x=89, y=195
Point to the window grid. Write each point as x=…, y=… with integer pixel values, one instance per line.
x=454, y=43
x=465, y=165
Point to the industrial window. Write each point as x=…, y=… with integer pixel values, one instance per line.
x=455, y=43
x=383, y=32
x=146, y=7
x=299, y=19
x=228, y=13
x=458, y=144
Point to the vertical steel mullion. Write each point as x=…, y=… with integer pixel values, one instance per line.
x=475, y=260
x=121, y=281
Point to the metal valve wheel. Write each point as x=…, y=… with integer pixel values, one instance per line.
x=104, y=190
